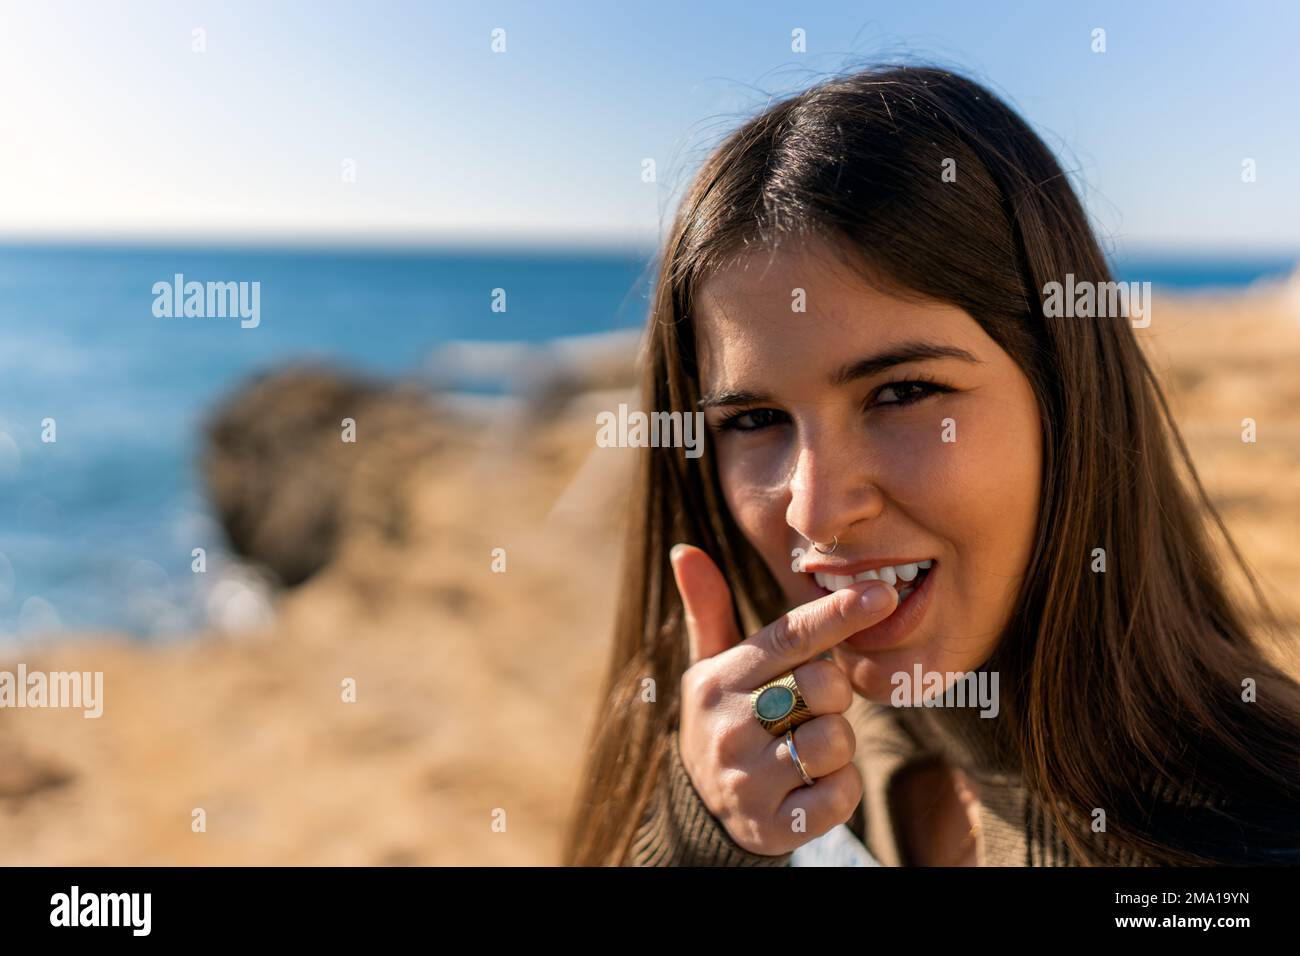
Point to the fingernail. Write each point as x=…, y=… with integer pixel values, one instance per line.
x=876, y=597
x=676, y=550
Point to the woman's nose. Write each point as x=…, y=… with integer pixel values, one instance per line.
x=830, y=491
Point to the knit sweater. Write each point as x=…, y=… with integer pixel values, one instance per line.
x=1014, y=829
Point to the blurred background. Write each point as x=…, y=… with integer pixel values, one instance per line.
x=367, y=651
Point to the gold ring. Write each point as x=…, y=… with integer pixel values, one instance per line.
x=779, y=706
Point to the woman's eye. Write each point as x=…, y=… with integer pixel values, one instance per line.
x=895, y=393
x=905, y=393
x=752, y=420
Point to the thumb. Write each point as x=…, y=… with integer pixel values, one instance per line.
x=706, y=599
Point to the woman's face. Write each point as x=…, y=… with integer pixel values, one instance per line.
x=898, y=427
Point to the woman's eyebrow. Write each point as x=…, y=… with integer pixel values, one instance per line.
x=860, y=368
x=731, y=397
x=909, y=352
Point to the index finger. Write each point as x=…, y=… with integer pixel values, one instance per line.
x=810, y=629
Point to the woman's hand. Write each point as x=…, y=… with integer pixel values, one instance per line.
x=744, y=774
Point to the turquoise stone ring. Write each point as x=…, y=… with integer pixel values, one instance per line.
x=779, y=706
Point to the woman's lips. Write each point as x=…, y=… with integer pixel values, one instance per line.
x=913, y=602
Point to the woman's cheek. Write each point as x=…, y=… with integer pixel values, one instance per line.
x=916, y=467
x=752, y=474
x=999, y=469
x=757, y=506
x=990, y=504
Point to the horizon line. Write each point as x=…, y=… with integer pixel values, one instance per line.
x=613, y=243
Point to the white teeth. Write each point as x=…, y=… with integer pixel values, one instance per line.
x=902, y=573
x=833, y=582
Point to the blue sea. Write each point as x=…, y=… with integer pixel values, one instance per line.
x=98, y=526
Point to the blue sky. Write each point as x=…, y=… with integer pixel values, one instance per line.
x=114, y=126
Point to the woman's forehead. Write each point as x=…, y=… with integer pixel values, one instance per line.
x=802, y=312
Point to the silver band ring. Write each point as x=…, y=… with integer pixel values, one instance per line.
x=833, y=546
x=794, y=758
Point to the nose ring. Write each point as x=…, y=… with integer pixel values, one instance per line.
x=833, y=546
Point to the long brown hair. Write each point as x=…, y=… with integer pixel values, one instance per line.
x=1123, y=683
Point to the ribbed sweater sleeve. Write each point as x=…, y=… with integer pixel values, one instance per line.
x=679, y=830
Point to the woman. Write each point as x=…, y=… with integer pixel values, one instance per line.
x=914, y=469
